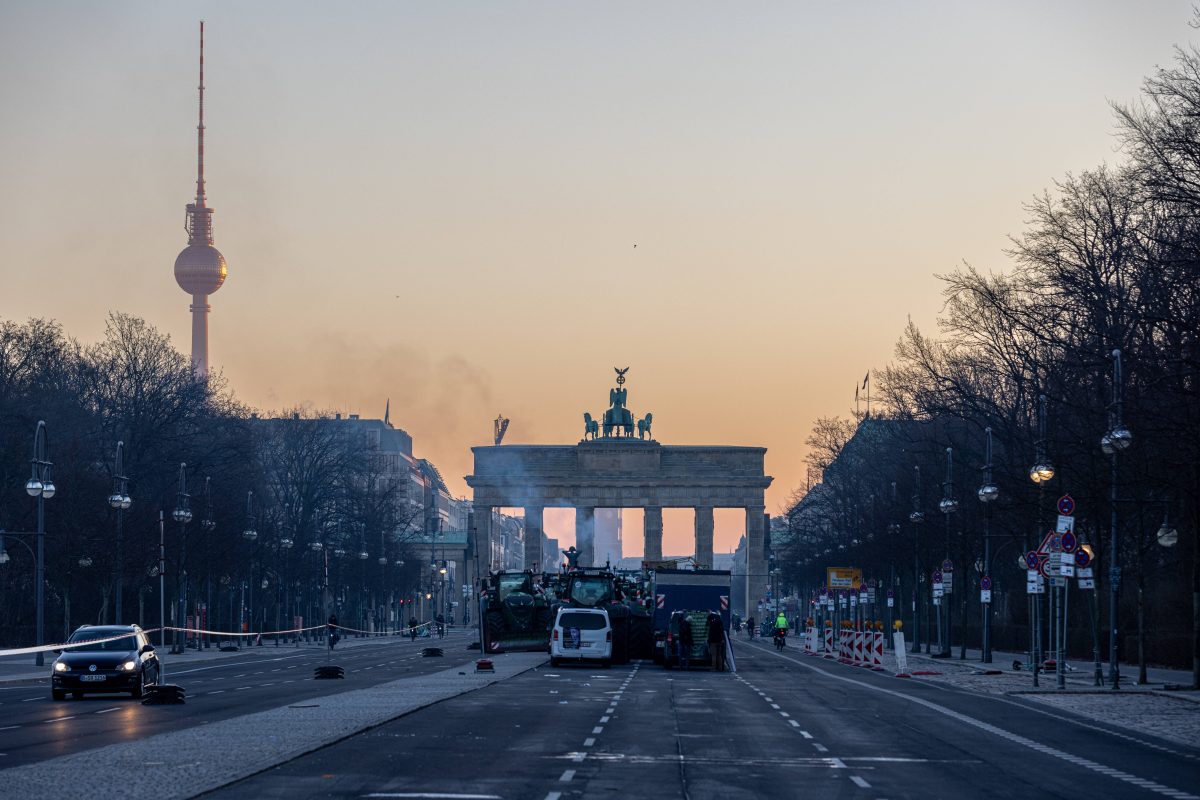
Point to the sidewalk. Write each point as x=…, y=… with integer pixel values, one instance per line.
x=1173, y=716
x=1080, y=672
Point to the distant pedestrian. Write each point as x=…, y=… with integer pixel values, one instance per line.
x=412, y=628
x=716, y=642
x=441, y=626
x=685, y=640
x=750, y=627
x=332, y=627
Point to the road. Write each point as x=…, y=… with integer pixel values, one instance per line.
x=34, y=727
x=783, y=726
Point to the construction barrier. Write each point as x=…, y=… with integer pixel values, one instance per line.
x=877, y=651
x=828, y=640
x=809, y=634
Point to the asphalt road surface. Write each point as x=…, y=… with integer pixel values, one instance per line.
x=783, y=726
x=34, y=727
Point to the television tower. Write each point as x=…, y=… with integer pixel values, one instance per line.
x=200, y=269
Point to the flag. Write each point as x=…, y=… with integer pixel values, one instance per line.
x=867, y=379
x=856, y=394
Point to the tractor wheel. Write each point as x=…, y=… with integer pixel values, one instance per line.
x=641, y=637
x=494, y=624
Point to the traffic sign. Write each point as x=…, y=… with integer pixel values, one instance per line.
x=985, y=595
x=1082, y=558
x=1066, y=567
x=1066, y=505
x=937, y=576
x=985, y=582
x=947, y=566
x=1069, y=542
x=1031, y=559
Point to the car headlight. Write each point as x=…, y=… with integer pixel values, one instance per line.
x=60, y=666
x=129, y=666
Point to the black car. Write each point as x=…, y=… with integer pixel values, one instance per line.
x=127, y=664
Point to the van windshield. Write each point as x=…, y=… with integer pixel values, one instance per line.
x=584, y=622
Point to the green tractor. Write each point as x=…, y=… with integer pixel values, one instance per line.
x=516, y=613
x=594, y=587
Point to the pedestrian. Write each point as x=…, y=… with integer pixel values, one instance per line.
x=750, y=627
x=441, y=626
x=716, y=642
x=412, y=628
x=685, y=640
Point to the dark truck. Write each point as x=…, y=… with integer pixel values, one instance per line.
x=686, y=590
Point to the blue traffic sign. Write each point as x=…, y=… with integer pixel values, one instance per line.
x=985, y=583
x=1066, y=505
x=1069, y=543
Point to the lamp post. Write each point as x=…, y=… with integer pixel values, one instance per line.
x=948, y=506
x=916, y=517
x=1114, y=441
x=988, y=493
x=250, y=534
x=120, y=500
x=208, y=525
x=183, y=515
x=1041, y=473
x=40, y=486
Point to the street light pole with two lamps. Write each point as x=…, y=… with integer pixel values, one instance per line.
x=1116, y=440
x=42, y=487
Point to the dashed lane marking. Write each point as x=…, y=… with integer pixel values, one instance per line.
x=60, y=719
x=820, y=747
x=553, y=795
x=1017, y=739
x=605, y=718
x=590, y=741
x=567, y=776
x=793, y=723
x=9, y=727
x=859, y=782
x=105, y=711
x=598, y=729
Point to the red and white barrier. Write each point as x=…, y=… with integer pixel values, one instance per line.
x=828, y=641
x=877, y=652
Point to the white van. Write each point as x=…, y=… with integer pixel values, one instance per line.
x=581, y=634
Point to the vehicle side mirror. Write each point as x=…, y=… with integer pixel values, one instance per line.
x=147, y=649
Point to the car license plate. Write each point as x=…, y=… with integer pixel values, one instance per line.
x=91, y=677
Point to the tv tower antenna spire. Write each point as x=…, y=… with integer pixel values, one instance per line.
x=200, y=269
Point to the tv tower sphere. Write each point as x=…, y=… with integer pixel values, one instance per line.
x=200, y=269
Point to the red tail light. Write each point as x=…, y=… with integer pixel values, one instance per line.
x=670, y=637
x=608, y=636
x=554, y=635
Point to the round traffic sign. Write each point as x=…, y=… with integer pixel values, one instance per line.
x=985, y=583
x=1056, y=543
x=937, y=576
x=1031, y=559
x=1066, y=505
x=891, y=593
x=1069, y=542
x=948, y=566
x=1082, y=558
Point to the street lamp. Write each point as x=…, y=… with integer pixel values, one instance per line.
x=948, y=506
x=120, y=500
x=1117, y=439
x=40, y=486
x=1167, y=536
x=916, y=517
x=988, y=494
x=250, y=533
x=183, y=515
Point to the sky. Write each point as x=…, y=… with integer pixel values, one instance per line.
x=482, y=208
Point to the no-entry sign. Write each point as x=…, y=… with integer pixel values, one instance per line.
x=1066, y=505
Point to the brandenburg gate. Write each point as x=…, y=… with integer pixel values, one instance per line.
x=611, y=468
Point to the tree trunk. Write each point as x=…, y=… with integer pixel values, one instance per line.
x=1141, y=626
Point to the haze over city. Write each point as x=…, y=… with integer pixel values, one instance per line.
x=472, y=209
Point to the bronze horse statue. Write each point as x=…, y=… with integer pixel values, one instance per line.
x=590, y=426
x=644, y=425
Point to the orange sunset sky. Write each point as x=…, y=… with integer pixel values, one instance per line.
x=438, y=203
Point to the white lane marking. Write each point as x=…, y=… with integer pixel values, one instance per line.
x=60, y=719
x=775, y=706
x=9, y=727
x=820, y=747
x=859, y=782
x=784, y=714
x=435, y=795
x=588, y=742
x=806, y=734
x=604, y=718
x=553, y=795
x=218, y=691
x=240, y=688
x=30, y=699
x=566, y=776
x=1009, y=736
x=105, y=711
x=598, y=729
x=793, y=723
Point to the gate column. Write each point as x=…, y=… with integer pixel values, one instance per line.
x=756, y=563
x=534, y=537
x=585, y=535
x=652, y=535
x=704, y=537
